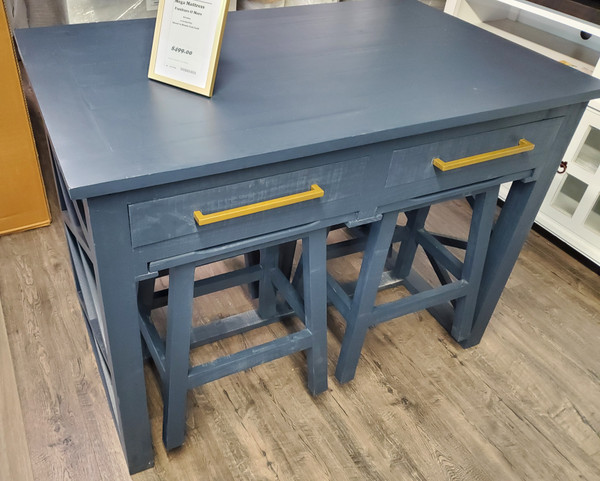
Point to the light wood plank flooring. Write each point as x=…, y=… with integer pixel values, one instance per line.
x=524, y=404
x=14, y=462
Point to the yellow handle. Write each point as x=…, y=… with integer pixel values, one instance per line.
x=524, y=146
x=314, y=193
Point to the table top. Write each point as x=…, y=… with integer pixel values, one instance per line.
x=291, y=82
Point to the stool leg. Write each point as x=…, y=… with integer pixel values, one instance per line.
x=484, y=206
x=361, y=313
x=179, y=323
x=269, y=259
x=146, y=296
x=297, y=280
x=145, y=299
x=408, y=247
x=352, y=343
x=251, y=259
x=314, y=253
x=286, y=258
x=286, y=263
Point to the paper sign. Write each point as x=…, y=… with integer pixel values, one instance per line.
x=187, y=42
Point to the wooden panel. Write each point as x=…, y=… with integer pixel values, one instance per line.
x=23, y=202
x=173, y=217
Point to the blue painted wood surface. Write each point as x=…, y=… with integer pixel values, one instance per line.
x=290, y=84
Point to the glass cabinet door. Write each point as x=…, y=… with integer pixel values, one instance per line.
x=588, y=157
x=569, y=195
x=592, y=221
x=571, y=210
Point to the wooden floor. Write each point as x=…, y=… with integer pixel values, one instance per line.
x=524, y=404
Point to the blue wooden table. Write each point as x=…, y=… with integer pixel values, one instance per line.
x=356, y=97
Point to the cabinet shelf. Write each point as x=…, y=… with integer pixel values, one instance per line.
x=558, y=48
x=546, y=31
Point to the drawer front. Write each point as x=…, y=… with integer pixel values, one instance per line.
x=412, y=171
x=173, y=217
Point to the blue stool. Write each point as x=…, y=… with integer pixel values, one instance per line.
x=459, y=279
x=171, y=355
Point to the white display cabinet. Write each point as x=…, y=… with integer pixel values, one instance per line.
x=571, y=209
x=549, y=32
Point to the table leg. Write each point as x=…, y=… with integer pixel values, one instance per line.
x=484, y=206
x=511, y=229
x=117, y=292
x=508, y=237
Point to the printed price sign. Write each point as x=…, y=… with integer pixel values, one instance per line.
x=187, y=43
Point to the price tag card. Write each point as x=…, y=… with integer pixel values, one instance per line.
x=187, y=43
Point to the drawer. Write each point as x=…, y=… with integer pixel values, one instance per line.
x=412, y=172
x=172, y=217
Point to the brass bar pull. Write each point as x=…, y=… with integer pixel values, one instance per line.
x=314, y=193
x=524, y=146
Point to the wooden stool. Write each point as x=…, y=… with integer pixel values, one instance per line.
x=171, y=355
x=459, y=280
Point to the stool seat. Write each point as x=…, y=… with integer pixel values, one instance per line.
x=171, y=355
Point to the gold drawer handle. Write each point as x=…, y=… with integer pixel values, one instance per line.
x=314, y=193
x=524, y=146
